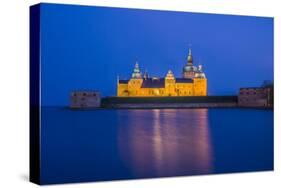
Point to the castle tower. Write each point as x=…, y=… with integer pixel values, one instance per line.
x=189, y=70
x=170, y=82
x=200, y=82
x=134, y=84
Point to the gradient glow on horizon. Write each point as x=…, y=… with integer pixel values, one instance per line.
x=86, y=48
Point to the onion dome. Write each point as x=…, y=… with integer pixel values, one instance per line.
x=136, y=73
x=189, y=68
x=200, y=73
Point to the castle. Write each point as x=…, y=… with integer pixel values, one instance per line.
x=192, y=83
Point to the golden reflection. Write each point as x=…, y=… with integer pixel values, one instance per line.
x=165, y=142
x=157, y=140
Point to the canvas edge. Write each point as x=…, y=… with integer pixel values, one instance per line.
x=34, y=95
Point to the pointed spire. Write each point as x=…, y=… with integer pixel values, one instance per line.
x=145, y=75
x=137, y=68
x=189, y=58
x=136, y=65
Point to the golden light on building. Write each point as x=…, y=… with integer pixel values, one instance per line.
x=192, y=83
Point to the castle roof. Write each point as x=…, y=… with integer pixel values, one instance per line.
x=184, y=80
x=123, y=81
x=153, y=83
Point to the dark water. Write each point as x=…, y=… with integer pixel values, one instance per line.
x=124, y=144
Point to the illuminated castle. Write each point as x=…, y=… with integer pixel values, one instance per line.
x=192, y=83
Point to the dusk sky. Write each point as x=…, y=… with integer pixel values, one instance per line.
x=85, y=48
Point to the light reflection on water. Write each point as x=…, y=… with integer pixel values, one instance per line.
x=95, y=145
x=165, y=142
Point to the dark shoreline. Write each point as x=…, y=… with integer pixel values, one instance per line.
x=194, y=102
x=168, y=100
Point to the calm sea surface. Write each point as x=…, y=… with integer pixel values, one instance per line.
x=95, y=145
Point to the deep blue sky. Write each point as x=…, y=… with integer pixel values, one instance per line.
x=85, y=48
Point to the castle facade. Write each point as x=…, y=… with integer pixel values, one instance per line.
x=192, y=83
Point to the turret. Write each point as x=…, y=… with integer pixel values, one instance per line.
x=170, y=84
x=145, y=75
x=170, y=75
x=200, y=73
x=136, y=73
